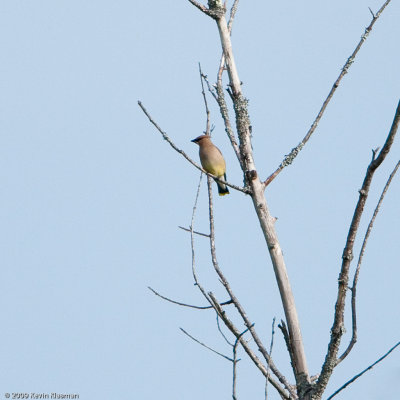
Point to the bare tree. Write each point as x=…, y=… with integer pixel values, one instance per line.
x=305, y=386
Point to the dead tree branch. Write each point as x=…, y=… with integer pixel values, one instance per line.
x=270, y=355
x=363, y=372
x=356, y=274
x=220, y=330
x=207, y=131
x=289, y=158
x=194, y=273
x=232, y=14
x=338, y=324
x=235, y=361
x=207, y=347
x=282, y=326
x=195, y=232
x=185, y=304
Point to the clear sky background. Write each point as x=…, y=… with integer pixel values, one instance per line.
x=91, y=196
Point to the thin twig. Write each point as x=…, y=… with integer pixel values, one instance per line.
x=207, y=347
x=296, y=150
x=235, y=361
x=362, y=372
x=185, y=304
x=270, y=354
x=194, y=273
x=178, y=302
x=338, y=324
x=220, y=330
x=282, y=326
x=207, y=132
x=232, y=14
x=195, y=232
x=372, y=13
x=172, y=144
x=210, y=88
x=360, y=258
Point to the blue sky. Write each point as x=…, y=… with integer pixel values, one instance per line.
x=91, y=196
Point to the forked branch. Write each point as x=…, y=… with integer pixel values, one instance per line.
x=356, y=274
x=338, y=324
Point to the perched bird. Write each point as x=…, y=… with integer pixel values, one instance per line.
x=212, y=161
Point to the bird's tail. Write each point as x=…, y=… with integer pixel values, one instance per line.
x=222, y=188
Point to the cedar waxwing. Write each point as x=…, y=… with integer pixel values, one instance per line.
x=212, y=161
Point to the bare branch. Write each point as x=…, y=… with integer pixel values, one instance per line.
x=282, y=326
x=296, y=150
x=363, y=372
x=197, y=233
x=194, y=273
x=185, y=304
x=360, y=258
x=178, y=302
x=210, y=88
x=338, y=324
x=232, y=14
x=270, y=354
x=222, y=333
x=207, y=132
x=372, y=13
x=172, y=144
x=166, y=137
x=235, y=361
x=207, y=347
